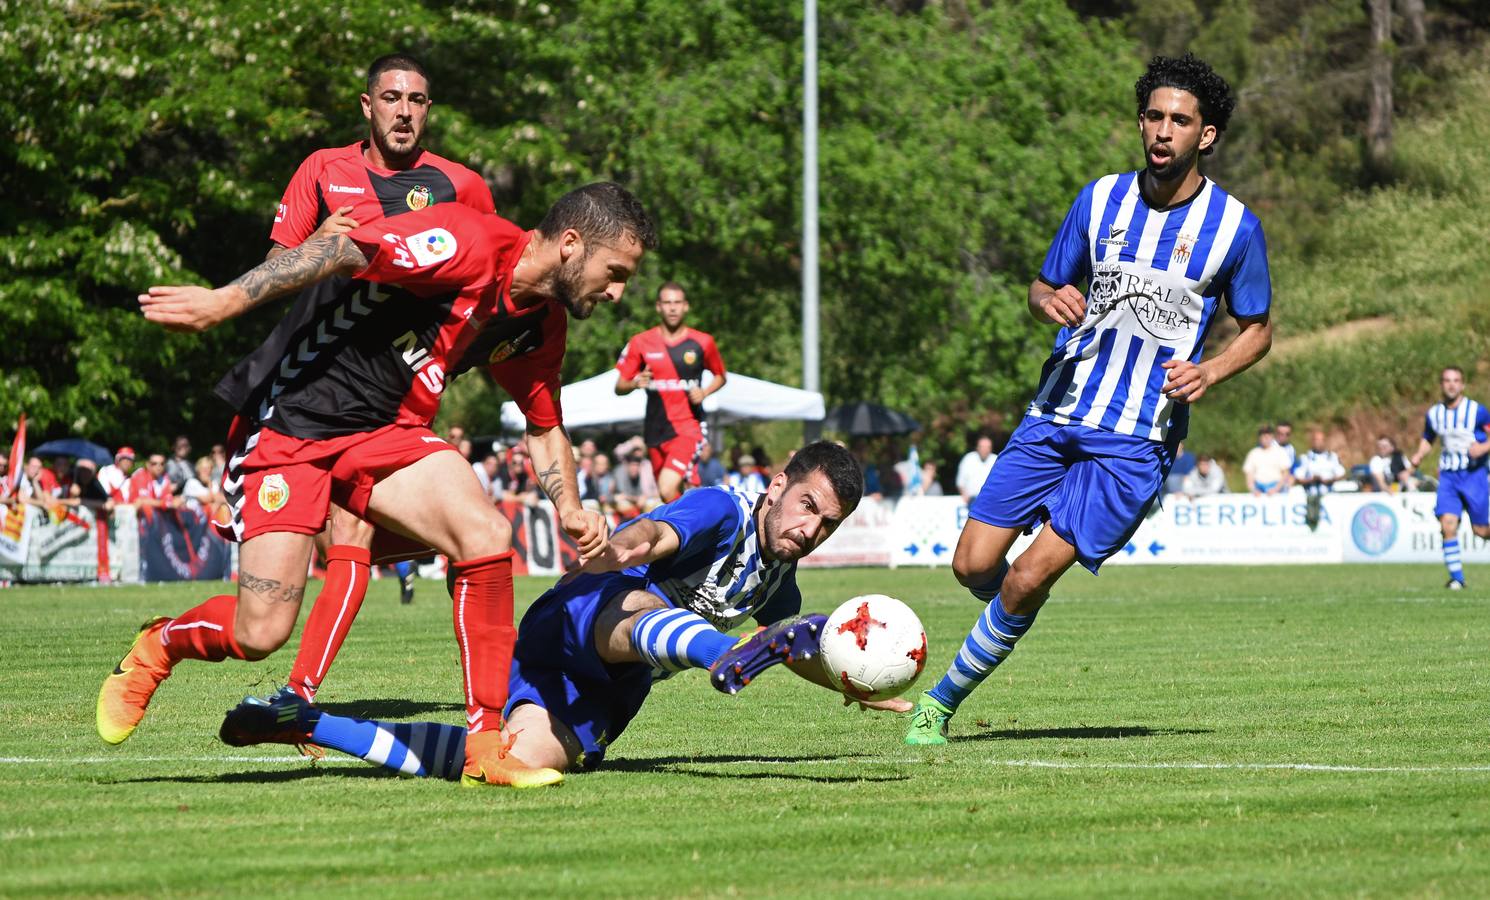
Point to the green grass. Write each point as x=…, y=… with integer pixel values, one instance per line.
x=1055, y=785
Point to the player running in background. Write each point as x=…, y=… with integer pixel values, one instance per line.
x=332, y=192
x=1464, y=427
x=345, y=393
x=1158, y=250
x=589, y=650
x=668, y=362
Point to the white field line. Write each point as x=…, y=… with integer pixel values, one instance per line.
x=846, y=761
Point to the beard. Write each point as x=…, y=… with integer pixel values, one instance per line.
x=774, y=537
x=568, y=284
x=1178, y=165
x=392, y=152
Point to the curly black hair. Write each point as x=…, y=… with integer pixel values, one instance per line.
x=1191, y=74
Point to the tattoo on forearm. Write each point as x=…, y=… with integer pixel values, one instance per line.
x=269, y=589
x=300, y=267
x=552, y=481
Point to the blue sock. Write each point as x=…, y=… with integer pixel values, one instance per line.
x=990, y=588
x=1451, y=559
x=676, y=639
x=992, y=638
x=423, y=749
x=403, y=568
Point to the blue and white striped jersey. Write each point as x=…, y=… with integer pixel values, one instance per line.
x=1154, y=280
x=718, y=571
x=1459, y=426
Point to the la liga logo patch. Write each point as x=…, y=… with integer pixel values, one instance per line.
x=274, y=493
x=432, y=246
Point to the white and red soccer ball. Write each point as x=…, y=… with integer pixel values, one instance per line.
x=873, y=647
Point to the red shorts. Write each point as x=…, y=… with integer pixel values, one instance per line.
x=280, y=483
x=679, y=455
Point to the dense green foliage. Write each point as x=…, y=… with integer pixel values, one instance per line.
x=151, y=140
x=1152, y=736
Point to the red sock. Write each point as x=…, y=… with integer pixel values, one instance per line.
x=347, y=571
x=203, y=632
x=482, y=590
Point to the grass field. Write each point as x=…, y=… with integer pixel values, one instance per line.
x=1197, y=731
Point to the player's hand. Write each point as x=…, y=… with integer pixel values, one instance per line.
x=1065, y=306
x=589, y=529
x=1478, y=450
x=894, y=704
x=186, y=308
x=610, y=559
x=644, y=378
x=1186, y=381
x=336, y=223
x=696, y=396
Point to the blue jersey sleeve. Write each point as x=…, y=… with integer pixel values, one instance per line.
x=1481, y=422
x=703, y=518
x=784, y=603
x=1249, y=292
x=1068, y=261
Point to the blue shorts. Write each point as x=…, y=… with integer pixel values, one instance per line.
x=1094, y=487
x=556, y=666
x=1464, y=490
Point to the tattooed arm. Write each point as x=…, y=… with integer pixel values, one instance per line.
x=195, y=309
x=553, y=460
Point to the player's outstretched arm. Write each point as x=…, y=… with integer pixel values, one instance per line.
x=193, y=309
x=641, y=542
x=1187, y=382
x=553, y=459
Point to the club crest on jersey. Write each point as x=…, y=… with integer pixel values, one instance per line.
x=1183, y=246
x=274, y=493
x=432, y=246
x=689, y=357
x=419, y=197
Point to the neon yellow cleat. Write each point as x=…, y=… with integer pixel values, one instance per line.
x=126, y=692
x=489, y=764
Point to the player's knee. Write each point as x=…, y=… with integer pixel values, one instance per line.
x=1024, y=585
x=260, y=637
x=482, y=531
x=972, y=569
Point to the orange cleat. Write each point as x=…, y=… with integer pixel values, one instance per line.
x=489, y=763
x=126, y=692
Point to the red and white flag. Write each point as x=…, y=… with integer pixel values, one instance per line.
x=17, y=460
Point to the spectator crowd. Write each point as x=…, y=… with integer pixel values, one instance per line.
x=160, y=482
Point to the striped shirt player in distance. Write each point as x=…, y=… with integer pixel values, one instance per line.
x=470, y=268
x=1159, y=251
x=668, y=362
x=660, y=600
x=1464, y=428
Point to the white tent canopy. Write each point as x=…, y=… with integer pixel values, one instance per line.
x=593, y=403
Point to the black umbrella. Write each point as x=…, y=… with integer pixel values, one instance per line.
x=74, y=447
x=868, y=419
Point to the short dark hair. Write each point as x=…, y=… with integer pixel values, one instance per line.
x=601, y=212
x=671, y=286
x=1451, y=369
x=837, y=463
x=1266, y=429
x=1193, y=75
x=394, y=62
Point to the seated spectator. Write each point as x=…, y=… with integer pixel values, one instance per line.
x=1389, y=468
x=629, y=497
x=179, y=468
x=891, y=485
x=114, y=475
x=1319, y=468
x=203, y=493
x=86, y=489
x=219, y=462
x=973, y=469
x=150, y=488
x=601, y=485
x=519, y=482
x=454, y=435
x=489, y=476
x=1205, y=480
x=28, y=487
x=748, y=476
x=464, y=448
x=710, y=470
x=1184, y=464
x=1267, y=465
x=928, y=485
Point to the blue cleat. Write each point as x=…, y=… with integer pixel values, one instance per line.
x=282, y=718
x=786, y=641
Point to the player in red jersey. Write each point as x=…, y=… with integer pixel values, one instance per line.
x=668, y=362
x=387, y=174
x=344, y=392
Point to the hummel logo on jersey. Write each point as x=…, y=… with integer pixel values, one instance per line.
x=654, y=355
x=1114, y=237
x=335, y=188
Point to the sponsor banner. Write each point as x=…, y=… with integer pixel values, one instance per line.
x=865, y=538
x=15, y=533
x=1399, y=528
x=1235, y=528
x=541, y=545
x=72, y=547
x=181, y=545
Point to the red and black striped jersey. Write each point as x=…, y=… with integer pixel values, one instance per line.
x=676, y=367
x=357, y=354
x=341, y=176
x=524, y=353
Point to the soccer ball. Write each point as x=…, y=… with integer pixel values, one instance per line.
x=873, y=647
